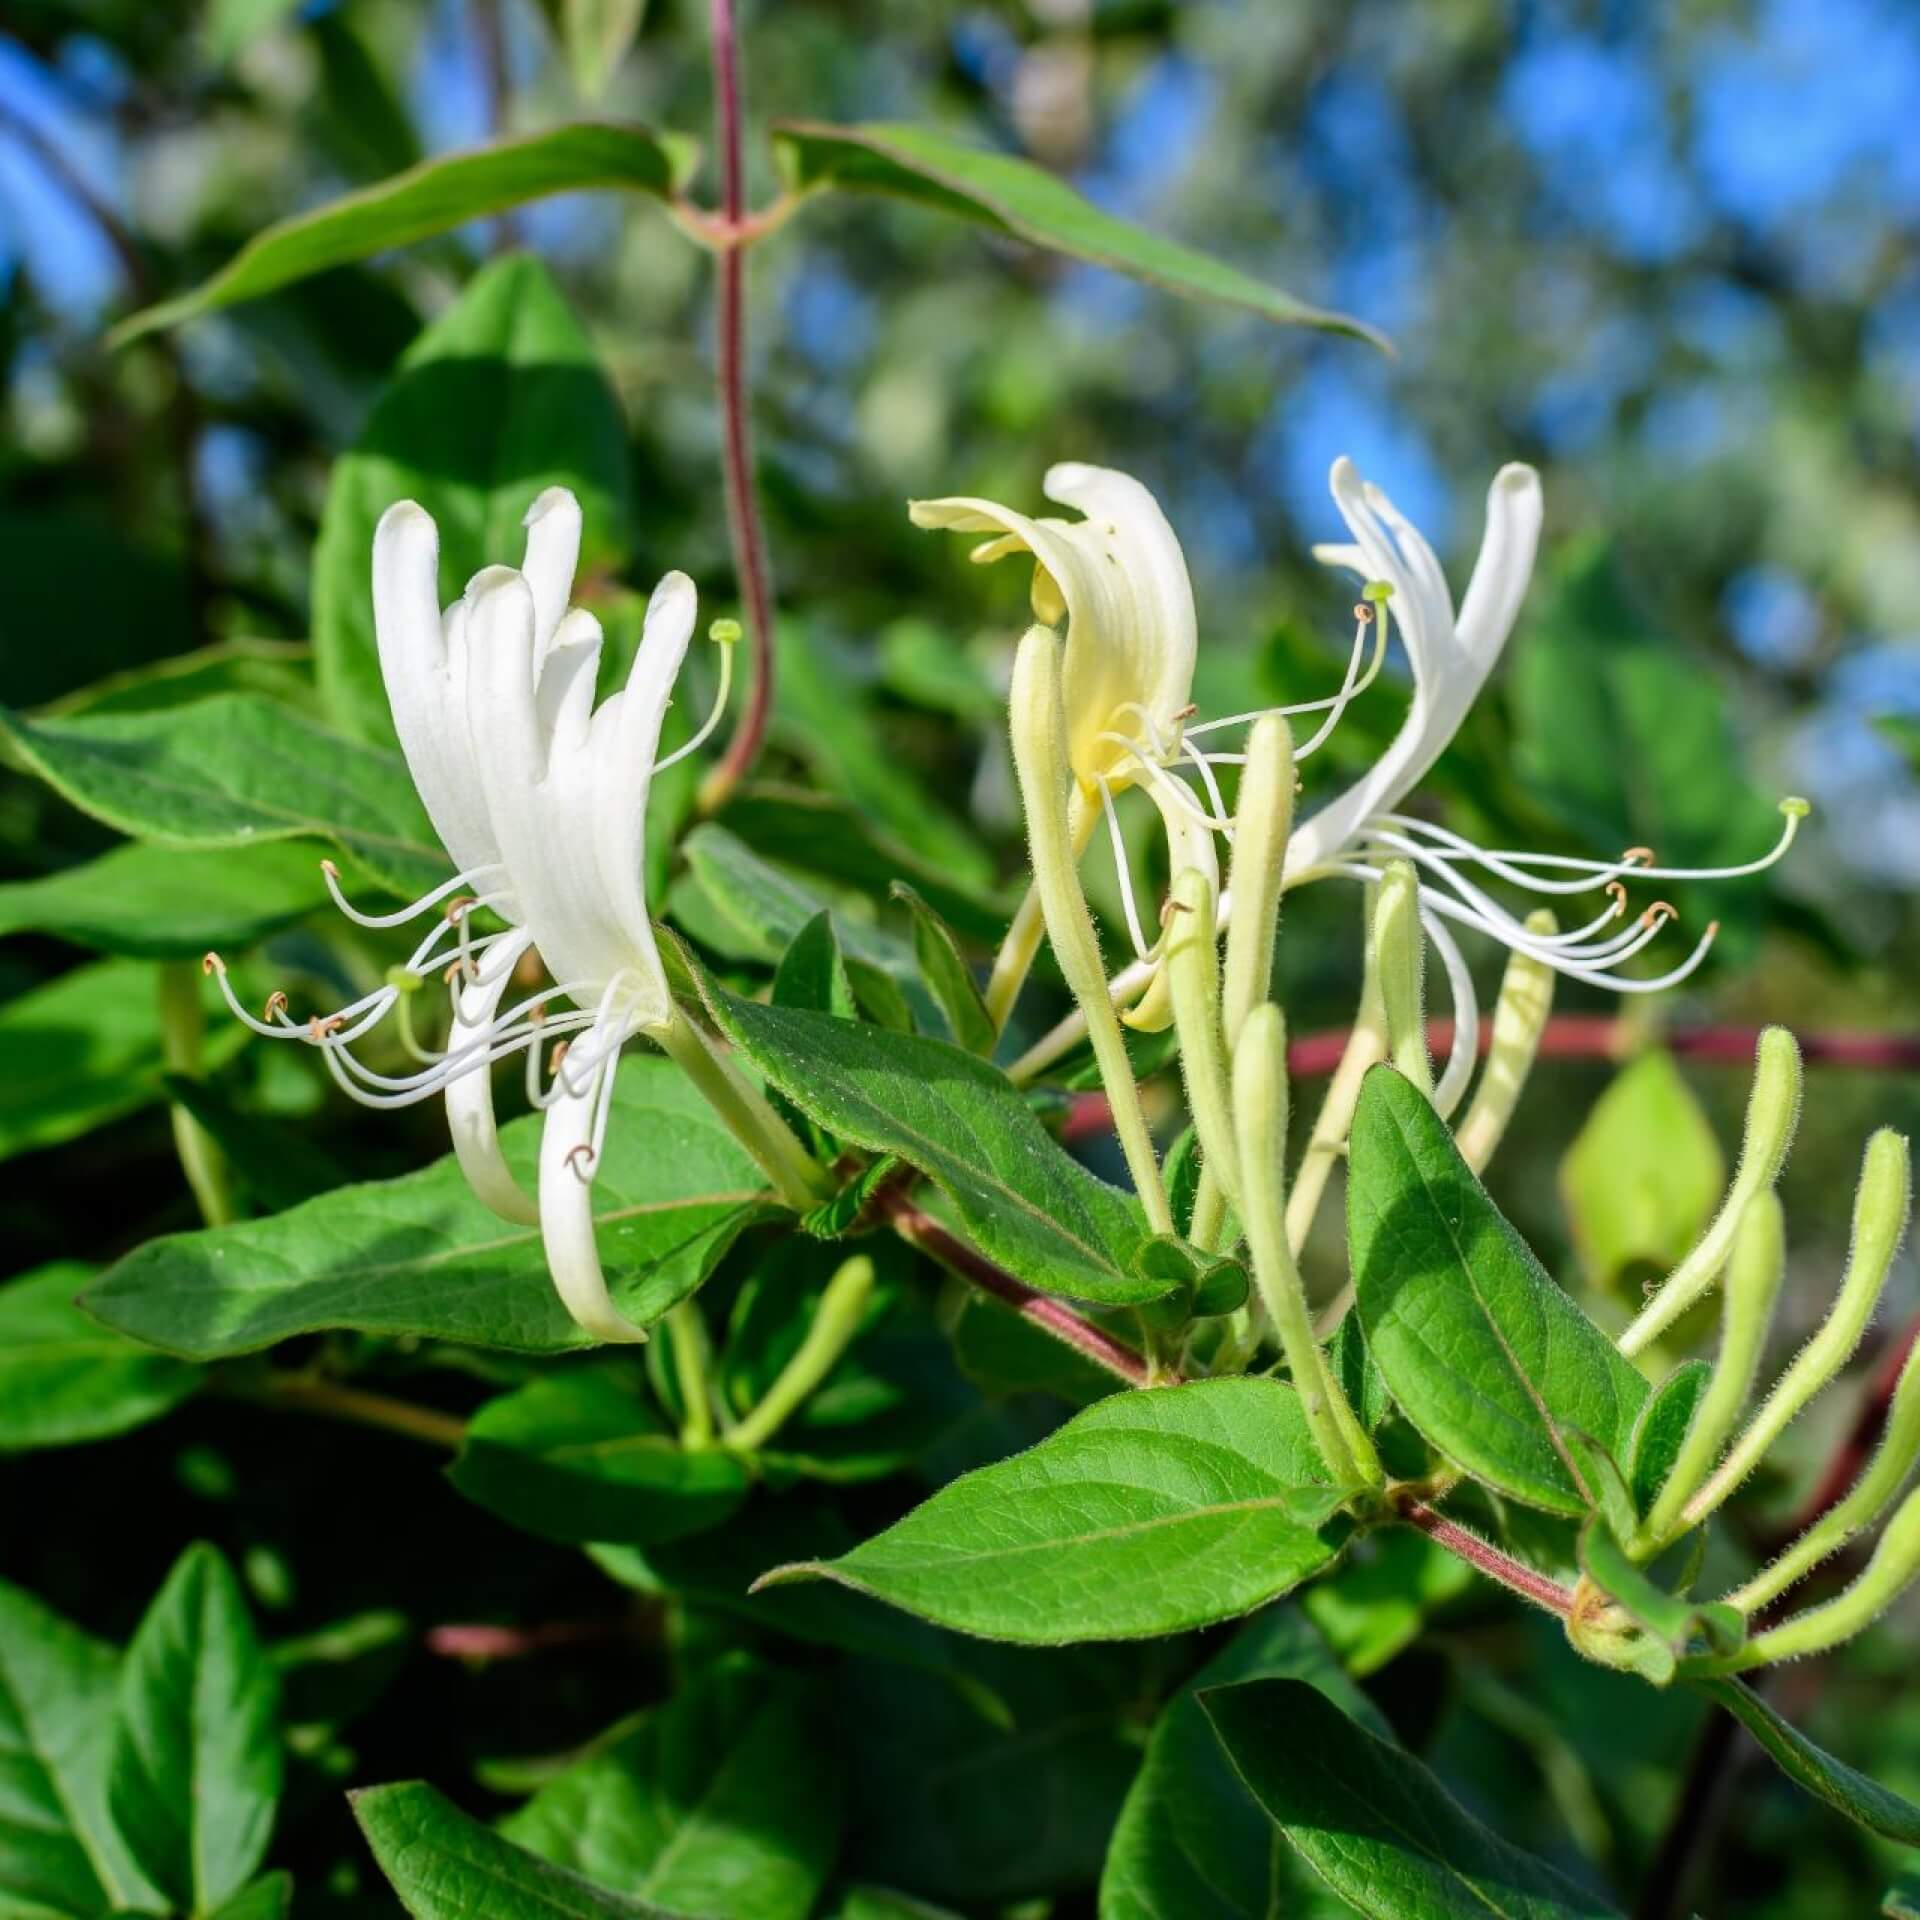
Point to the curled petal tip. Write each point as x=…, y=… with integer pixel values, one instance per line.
x=404, y=516
x=1517, y=477
x=546, y=503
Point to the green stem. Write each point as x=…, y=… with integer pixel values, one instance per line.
x=750, y=1117
x=307, y=1393
x=687, y=1336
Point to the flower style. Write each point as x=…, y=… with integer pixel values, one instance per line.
x=540, y=800
x=1128, y=720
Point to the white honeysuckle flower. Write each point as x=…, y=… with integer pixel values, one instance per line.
x=1450, y=653
x=540, y=800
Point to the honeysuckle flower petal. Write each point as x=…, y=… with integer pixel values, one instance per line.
x=1450, y=656
x=1118, y=577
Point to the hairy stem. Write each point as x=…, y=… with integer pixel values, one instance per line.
x=308, y=1393
x=1482, y=1555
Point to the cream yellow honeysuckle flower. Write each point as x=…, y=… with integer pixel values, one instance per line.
x=1119, y=580
x=540, y=799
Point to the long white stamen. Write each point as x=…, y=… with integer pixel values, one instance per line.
x=472, y=877
x=714, y=718
x=1129, y=905
x=1178, y=789
x=1466, y=1018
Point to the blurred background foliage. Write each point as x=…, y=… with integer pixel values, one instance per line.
x=1665, y=253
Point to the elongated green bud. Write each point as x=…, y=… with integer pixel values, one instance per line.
x=1519, y=1019
x=1879, y=1219
x=1772, y=1109
x=1400, y=963
x=1039, y=735
x=1260, y=1122
x=843, y=1305
x=1753, y=1285
x=1193, y=971
x=1887, y=1472
x=1263, y=823
x=1895, y=1563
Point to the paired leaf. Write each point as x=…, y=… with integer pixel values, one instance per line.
x=1654, y=1444
x=1028, y=1204
x=64, y=1378
x=434, y=197
x=445, y=1865
x=421, y=1256
x=1191, y=1843
x=60, y=1853
x=197, y=1757
x=1644, y=1173
x=232, y=771
x=1865, y=1802
x=1010, y=195
x=158, y=904
x=1143, y=1515
x=724, y=1804
x=1485, y=1355
x=580, y=1456
x=1373, y=1822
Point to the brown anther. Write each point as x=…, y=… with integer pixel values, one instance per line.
x=1616, y=891
x=447, y=973
x=318, y=1029
x=276, y=1004
x=459, y=904
x=573, y=1156
x=1187, y=712
x=212, y=964
x=1642, y=854
x=1170, y=906
x=329, y=869
x=528, y=968
x=1660, y=910
x=558, y=1054
x=1363, y=613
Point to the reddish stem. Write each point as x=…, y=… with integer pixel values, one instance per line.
x=752, y=569
x=1051, y=1316
x=479, y=1642
x=1484, y=1556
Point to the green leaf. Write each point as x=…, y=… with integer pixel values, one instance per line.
x=86, y=1049
x=434, y=197
x=60, y=1853
x=267, y=1899
x=1598, y=1471
x=64, y=1378
x=944, y=968
x=769, y=909
x=421, y=1256
x=812, y=973
x=580, y=1456
x=197, y=1760
x=1011, y=195
x=1373, y=1822
x=279, y=670
x=1643, y=1175
x=1004, y=1353
x=1863, y=1801
x=446, y=1866
x=1654, y=1444
x=1029, y=1206
x=824, y=716
x=879, y=1903
x=501, y=398
x=1901, y=1901
x=278, y=1163
x=1486, y=1356
x=232, y=771
x=724, y=1804
x=1145, y=1514
x=1668, y=1626
x=158, y=904
x=1374, y=1605
x=1191, y=1843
